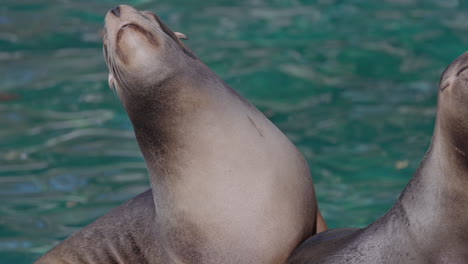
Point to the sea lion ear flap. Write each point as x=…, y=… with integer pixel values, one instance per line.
x=181, y=35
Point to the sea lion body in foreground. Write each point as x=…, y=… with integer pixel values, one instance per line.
x=429, y=221
x=227, y=185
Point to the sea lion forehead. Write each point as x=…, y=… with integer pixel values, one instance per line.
x=453, y=71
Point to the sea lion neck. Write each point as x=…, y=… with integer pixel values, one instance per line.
x=451, y=130
x=172, y=114
x=434, y=205
x=435, y=199
x=431, y=212
x=450, y=144
x=216, y=165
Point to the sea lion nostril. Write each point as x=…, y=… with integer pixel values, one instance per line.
x=116, y=11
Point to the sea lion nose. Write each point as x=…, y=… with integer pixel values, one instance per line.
x=116, y=11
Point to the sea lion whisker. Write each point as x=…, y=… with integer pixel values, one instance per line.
x=121, y=80
x=102, y=33
x=115, y=71
x=461, y=152
x=114, y=90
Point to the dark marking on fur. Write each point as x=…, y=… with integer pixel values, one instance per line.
x=253, y=123
x=461, y=70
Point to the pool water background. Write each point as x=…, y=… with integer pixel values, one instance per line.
x=352, y=83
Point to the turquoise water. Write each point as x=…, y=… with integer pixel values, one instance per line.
x=352, y=83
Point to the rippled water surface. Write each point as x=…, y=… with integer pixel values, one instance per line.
x=352, y=83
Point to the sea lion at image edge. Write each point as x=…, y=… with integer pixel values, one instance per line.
x=429, y=221
x=227, y=186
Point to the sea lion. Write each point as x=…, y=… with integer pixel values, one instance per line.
x=227, y=185
x=429, y=221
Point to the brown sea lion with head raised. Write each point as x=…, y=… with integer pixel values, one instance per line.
x=226, y=185
x=429, y=221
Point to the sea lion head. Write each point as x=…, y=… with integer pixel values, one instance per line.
x=140, y=50
x=452, y=109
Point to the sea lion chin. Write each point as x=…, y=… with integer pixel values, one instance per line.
x=136, y=46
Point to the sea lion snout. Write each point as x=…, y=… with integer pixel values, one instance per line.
x=116, y=11
x=120, y=14
x=132, y=45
